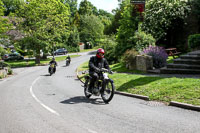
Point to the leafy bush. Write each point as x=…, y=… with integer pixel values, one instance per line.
x=108, y=44
x=194, y=41
x=129, y=56
x=143, y=40
x=2, y=51
x=158, y=54
x=9, y=71
x=3, y=64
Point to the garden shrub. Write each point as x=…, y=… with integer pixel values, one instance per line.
x=143, y=40
x=2, y=51
x=108, y=44
x=129, y=58
x=158, y=54
x=9, y=71
x=194, y=41
x=3, y=64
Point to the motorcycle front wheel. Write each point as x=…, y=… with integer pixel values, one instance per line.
x=50, y=71
x=67, y=63
x=86, y=87
x=108, y=91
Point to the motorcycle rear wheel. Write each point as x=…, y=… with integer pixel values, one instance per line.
x=109, y=90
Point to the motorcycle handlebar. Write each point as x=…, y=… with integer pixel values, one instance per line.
x=106, y=70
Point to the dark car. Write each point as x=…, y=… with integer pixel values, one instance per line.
x=60, y=51
x=12, y=56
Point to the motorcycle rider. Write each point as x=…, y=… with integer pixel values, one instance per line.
x=68, y=58
x=95, y=64
x=55, y=64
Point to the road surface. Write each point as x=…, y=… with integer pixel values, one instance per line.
x=31, y=101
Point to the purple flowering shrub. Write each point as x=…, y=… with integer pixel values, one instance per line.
x=158, y=54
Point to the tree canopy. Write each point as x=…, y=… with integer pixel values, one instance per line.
x=44, y=22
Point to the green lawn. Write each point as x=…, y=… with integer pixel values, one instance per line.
x=186, y=90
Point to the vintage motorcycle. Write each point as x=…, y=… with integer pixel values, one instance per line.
x=67, y=62
x=51, y=68
x=103, y=86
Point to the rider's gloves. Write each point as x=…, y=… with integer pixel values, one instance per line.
x=97, y=70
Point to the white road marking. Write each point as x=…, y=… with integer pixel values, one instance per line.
x=46, y=107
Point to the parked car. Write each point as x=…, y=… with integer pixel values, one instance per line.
x=12, y=56
x=60, y=51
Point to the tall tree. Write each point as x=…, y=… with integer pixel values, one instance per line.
x=87, y=8
x=91, y=28
x=4, y=24
x=44, y=22
x=127, y=28
x=12, y=5
x=73, y=6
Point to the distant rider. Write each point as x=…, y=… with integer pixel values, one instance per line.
x=95, y=64
x=68, y=58
x=55, y=64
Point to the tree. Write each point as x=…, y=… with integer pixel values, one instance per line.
x=44, y=22
x=91, y=28
x=12, y=5
x=162, y=15
x=4, y=23
x=73, y=40
x=87, y=8
x=127, y=28
x=73, y=6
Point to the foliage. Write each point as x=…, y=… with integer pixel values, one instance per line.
x=108, y=43
x=11, y=6
x=9, y=71
x=127, y=28
x=4, y=24
x=3, y=64
x=91, y=28
x=161, y=15
x=129, y=56
x=44, y=23
x=112, y=28
x=143, y=40
x=2, y=51
x=86, y=8
x=158, y=54
x=196, y=4
x=73, y=40
x=194, y=41
x=72, y=4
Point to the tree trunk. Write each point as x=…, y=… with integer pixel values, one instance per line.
x=37, y=58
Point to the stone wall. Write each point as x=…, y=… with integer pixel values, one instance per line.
x=141, y=62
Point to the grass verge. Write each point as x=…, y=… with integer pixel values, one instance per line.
x=31, y=62
x=185, y=90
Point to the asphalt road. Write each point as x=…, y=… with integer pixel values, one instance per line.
x=31, y=101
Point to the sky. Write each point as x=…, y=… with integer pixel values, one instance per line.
x=107, y=5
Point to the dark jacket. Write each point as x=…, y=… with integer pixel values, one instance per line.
x=51, y=62
x=96, y=63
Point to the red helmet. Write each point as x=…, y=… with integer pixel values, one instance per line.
x=100, y=53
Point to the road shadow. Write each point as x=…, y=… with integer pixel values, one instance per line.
x=82, y=99
x=138, y=82
x=45, y=75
